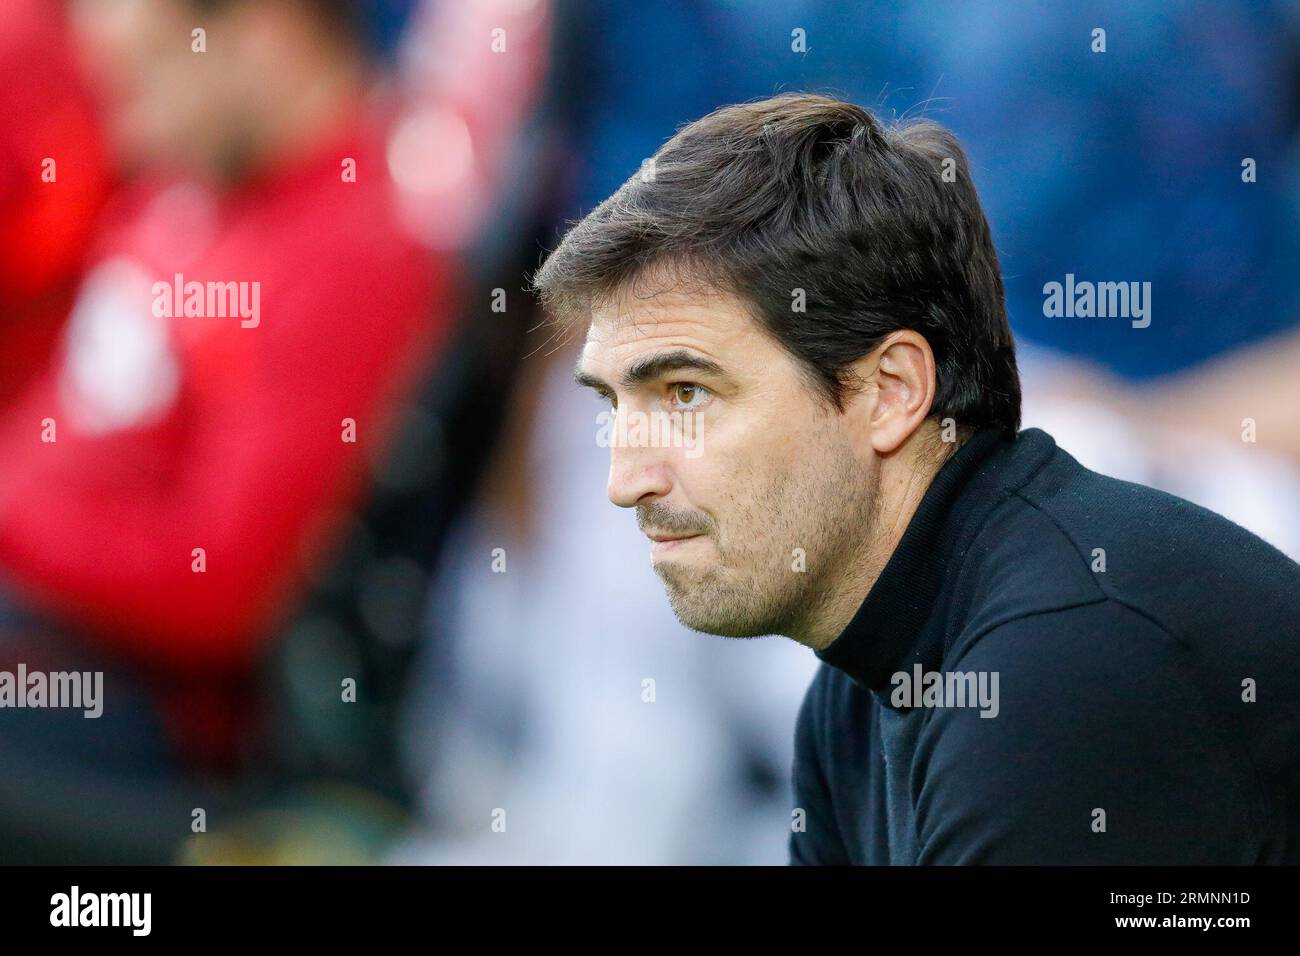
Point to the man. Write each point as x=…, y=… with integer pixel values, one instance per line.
x=1022, y=661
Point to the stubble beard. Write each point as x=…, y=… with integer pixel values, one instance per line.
x=752, y=588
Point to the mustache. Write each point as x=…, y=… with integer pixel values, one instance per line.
x=659, y=517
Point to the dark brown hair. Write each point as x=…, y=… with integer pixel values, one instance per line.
x=806, y=192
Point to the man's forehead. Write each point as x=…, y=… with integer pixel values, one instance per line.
x=707, y=320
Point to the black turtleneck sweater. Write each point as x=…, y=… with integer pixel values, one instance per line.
x=1130, y=665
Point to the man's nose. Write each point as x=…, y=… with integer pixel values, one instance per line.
x=635, y=472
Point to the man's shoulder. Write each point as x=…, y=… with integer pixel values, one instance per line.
x=1078, y=583
x=1083, y=713
x=1153, y=527
x=1070, y=537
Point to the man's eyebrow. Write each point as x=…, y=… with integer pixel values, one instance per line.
x=587, y=380
x=652, y=367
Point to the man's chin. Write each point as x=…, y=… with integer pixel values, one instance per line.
x=701, y=608
x=711, y=624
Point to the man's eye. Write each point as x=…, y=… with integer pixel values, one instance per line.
x=688, y=394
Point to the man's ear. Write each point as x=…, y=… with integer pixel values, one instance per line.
x=902, y=377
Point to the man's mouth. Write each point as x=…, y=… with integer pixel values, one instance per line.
x=663, y=543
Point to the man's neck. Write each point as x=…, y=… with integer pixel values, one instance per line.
x=904, y=482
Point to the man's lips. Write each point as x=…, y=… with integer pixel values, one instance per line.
x=661, y=544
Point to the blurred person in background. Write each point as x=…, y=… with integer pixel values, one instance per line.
x=171, y=478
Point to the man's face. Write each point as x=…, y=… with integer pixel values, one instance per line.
x=167, y=102
x=774, y=492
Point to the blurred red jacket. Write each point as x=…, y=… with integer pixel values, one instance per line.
x=220, y=433
x=54, y=178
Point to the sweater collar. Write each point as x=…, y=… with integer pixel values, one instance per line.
x=888, y=628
